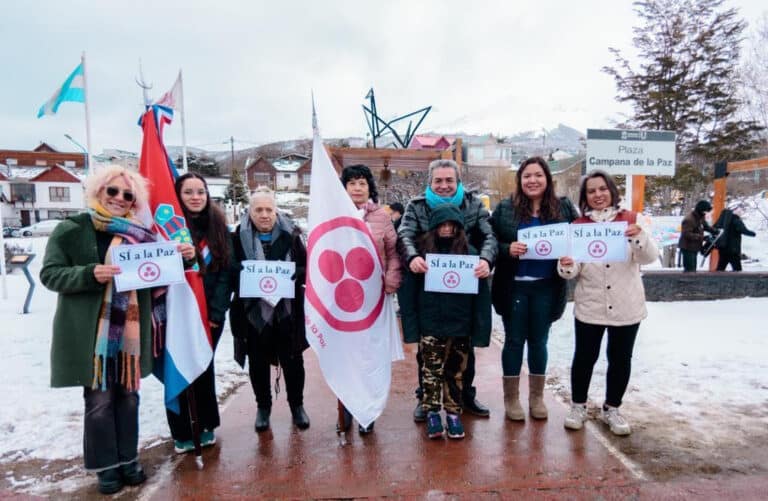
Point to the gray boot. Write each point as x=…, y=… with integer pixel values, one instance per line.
x=536, y=396
x=512, y=405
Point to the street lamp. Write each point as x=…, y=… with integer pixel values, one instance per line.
x=80, y=146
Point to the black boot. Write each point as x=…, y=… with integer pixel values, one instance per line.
x=365, y=430
x=300, y=418
x=132, y=473
x=110, y=481
x=262, y=419
x=472, y=406
x=419, y=415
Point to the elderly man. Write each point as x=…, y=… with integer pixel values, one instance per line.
x=268, y=332
x=445, y=187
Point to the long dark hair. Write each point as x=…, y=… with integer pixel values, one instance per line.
x=459, y=243
x=360, y=171
x=550, y=205
x=609, y=182
x=210, y=224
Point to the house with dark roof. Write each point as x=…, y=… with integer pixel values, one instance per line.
x=40, y=184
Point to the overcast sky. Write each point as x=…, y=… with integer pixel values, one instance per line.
x=249, y=66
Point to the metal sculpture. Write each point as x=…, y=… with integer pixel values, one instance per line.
x=378, y=127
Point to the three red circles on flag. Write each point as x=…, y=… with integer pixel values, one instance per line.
x=344, y=284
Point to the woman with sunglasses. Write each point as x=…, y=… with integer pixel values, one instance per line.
x=102, y=339
x=207, y=224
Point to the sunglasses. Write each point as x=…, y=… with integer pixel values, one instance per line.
x=113, y=191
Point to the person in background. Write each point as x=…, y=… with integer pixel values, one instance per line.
x=528, y=294
x=396, y=213
x=102, y=339
x=267, y=333
x=361, y=187
x=445, y=186
x=608, y=296
x=728, y=243
x=207, y=225
x=692, y=234
x=445, y=325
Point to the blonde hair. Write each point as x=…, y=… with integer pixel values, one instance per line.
x=101, y=177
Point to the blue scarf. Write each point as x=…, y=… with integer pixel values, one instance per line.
x=433, y=199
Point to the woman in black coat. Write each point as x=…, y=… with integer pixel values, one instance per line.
x=213, y=258
x=728, y=244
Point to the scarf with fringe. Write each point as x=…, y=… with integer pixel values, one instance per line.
x=118, y=343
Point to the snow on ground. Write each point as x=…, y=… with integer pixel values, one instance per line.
x=699, y=372
x=39, y=422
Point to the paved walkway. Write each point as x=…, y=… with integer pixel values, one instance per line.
x=498, y=458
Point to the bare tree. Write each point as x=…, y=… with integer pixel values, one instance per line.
x=754, y=73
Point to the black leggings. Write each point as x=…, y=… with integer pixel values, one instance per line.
x=621, y=341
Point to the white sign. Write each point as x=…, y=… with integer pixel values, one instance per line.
x=631, y=152
x=599, y=242
x=549, y=241
x=269, y=280
x=147, y=265
x=453, y=273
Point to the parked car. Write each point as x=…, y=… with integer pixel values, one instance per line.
x=8, y=230
x=37, y=229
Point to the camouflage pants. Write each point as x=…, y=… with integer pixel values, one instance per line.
x=445, y=359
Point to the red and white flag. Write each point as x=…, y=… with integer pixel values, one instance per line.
x=173, y=98
x=350, y=321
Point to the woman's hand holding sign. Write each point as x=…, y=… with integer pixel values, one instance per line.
x=517, y=249
x=104, y=272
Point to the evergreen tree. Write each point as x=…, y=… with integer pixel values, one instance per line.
x=237, y=190
x=202, y=165
x=688, y=82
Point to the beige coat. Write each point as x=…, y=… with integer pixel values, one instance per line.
x=612, y=293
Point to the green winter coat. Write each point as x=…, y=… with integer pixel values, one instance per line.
x=70, y=257
x=505, y=223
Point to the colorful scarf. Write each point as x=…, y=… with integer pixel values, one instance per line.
x=433, y=199
x=118, y=344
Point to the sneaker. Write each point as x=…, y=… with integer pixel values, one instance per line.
x=455, y=428
x=616, y=422
x=434, y=425
x=182, y=446
x=363, y=430
x=575, y=419
x=207, y=438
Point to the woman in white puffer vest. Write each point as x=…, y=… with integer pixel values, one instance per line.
x=608, y=296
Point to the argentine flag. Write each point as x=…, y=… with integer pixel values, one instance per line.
x=72, y=90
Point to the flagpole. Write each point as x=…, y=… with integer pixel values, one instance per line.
x=87, y=117
x=183, y=125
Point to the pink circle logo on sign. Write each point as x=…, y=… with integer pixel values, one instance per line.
x=543, y=248
x=597, y=248
x=342, y=263
x=149, y=272
x=267, y=284
x=451, y=279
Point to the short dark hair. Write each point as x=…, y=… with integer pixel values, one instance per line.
x=360, y=171
x=583, y=206
x=397, y=207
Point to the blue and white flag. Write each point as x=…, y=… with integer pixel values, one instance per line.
x=72, y=90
